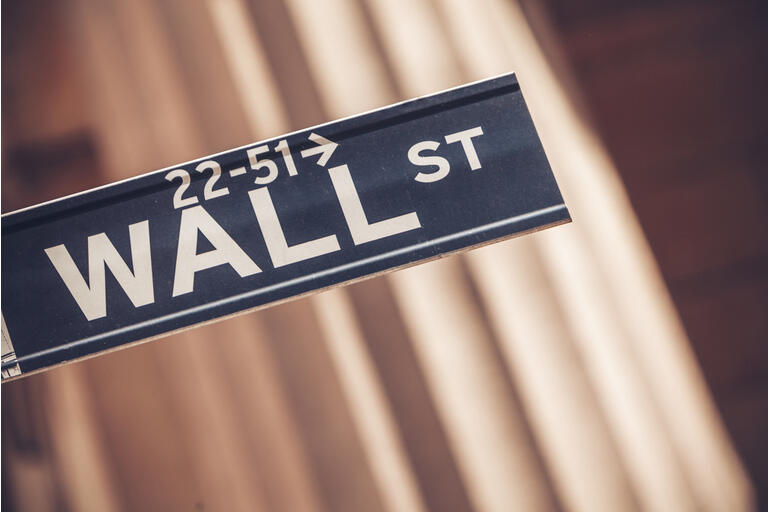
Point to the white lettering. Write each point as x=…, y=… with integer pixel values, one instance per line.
x=414, y=155
x=226, y=250
x=92, y=297
x=279, y=250
x=465, y=137
x=357, y=221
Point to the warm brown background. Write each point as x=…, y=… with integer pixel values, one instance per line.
x=272, y=411
x=678, y=90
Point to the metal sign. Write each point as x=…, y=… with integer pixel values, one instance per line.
x=272, y=220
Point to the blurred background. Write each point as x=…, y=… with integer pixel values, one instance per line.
x=615, y=363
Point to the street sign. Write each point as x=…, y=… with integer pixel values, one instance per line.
x=270, y=221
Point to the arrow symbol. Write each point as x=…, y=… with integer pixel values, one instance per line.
x=325, y=149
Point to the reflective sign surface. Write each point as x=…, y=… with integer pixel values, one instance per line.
x=270, y=221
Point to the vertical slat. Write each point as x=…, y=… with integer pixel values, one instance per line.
x=679, y=414
x=280, y=40
x=356, y=46
x=206, y=441
x=206, y=75
x=81, y=459
x=368, y=405
x=601, y=338
x=341, y=55
x=490, y=442
x=534, y=338
x=67, y=465
x=128, y=391
x=486, y=430
x=197, y=397
x=273, y=440
x=630, y=409
x=548, y=371
x=327, y=428
x=415, y=45
x=150, y=461
x=116, y=112
x=251, y=391
x=168, y=114
x=256, y=87
x=390, y=347
x=28, y=473
x=247, y=60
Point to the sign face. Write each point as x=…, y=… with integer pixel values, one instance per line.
x=272, y=220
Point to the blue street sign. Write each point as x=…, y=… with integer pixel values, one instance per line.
x=272, y=220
